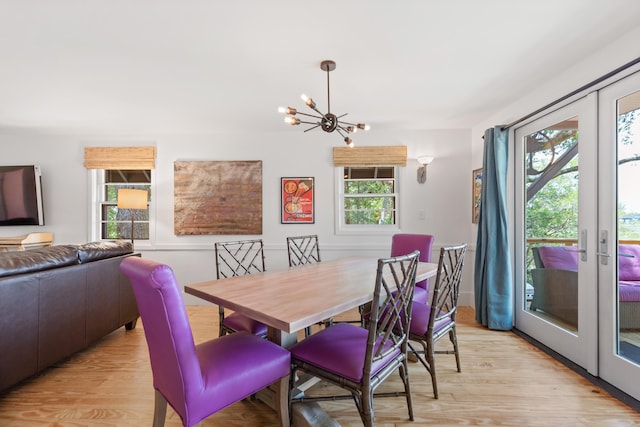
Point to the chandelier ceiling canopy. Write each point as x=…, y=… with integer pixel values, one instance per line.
x=328, y=121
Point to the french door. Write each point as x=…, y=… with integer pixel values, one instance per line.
x=555, y=216
x=577, y=232
x=619, y=234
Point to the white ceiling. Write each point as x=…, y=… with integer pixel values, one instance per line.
x=158, y=66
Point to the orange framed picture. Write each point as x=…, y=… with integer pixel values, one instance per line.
x=297, y=200
x=476, y=191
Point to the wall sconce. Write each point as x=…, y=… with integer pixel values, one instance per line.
x=132, y=199
x=422, y=170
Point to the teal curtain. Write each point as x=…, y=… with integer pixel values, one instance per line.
x=493, y=280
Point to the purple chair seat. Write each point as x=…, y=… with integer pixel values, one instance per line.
x=234, y=367
x=420, y=320
x=346, y=361
x=240, y=322
x=421, y=294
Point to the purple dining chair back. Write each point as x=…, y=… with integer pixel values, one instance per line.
x=405, y=243
x=198, y=380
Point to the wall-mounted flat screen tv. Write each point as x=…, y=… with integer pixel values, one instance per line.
x=21, y=195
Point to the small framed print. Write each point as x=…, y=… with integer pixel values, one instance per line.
x=297, y=200
x=476, y=191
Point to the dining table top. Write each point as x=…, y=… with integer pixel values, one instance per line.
x=290, y=300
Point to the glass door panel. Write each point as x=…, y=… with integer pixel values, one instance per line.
x=555, y=216
x=619, y=234
x=628, y=206
x=551, y=222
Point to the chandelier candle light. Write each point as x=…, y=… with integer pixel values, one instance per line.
x=329, y=122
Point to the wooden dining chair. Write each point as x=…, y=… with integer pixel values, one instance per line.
x=359, y=359
x=404, y=243
x=199, y=380
x=239, y=258
x=432, y=321
x=304, y=250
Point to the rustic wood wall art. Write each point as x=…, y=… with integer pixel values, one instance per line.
x=217, y=197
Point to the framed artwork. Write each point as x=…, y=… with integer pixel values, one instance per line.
x=297, y=200
x=476, y=191
x=217, y=197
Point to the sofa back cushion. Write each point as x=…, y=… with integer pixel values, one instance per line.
x=100, y=250
x=629, y=262
x=558, y=257
x=21, y=262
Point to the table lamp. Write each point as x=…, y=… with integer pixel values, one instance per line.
x=132, y=199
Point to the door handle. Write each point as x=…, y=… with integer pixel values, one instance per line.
x=603, y=242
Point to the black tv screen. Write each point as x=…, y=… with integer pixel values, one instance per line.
x=21, y=196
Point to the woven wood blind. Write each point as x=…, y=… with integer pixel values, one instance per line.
x=395, y=155
x=128, y=158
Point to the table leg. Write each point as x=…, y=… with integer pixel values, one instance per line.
x=307, y=414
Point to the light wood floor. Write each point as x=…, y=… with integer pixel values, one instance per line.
x=505, y=381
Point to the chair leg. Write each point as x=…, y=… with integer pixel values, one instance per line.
x=221, y=331
x=454, y=340
x=160, y=410
x=366, y=409
x=431, y=361
x=404, y=375
x=282, y=400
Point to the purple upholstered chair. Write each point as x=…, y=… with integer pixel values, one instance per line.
x=432, y=321
x=199, y=380
x=359, y=359
x=402, y=244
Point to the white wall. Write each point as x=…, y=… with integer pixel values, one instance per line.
x=445, y=198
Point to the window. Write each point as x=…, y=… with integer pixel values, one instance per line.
x=109, y=222
x=368, y=198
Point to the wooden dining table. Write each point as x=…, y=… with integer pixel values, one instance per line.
x=288, y=301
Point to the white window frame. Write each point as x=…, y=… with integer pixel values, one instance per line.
x=364, y=229
x=96, y=196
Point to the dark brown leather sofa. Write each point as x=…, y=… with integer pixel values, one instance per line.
x=57, y=301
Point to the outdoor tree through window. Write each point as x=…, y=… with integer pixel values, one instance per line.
x=369, y=196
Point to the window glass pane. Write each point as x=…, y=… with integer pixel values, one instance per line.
x=116, y=223
x=127, y=176
x=369, y=217
x=369, y=195
x=369, y=187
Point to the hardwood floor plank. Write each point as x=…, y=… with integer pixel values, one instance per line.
x=505, y=381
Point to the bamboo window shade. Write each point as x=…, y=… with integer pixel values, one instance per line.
x=126, y=158
x=395, y=155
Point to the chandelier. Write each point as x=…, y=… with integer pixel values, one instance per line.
x=328, y=122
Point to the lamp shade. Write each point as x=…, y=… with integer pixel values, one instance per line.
x=132, y=199
x=425, y=160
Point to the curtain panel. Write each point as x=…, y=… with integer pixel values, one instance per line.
x=493, y=285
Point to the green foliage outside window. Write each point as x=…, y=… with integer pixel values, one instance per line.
x=369, y=196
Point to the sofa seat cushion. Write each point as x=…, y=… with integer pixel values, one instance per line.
x=629, y=291
x=22, y=262
x=100, y=250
